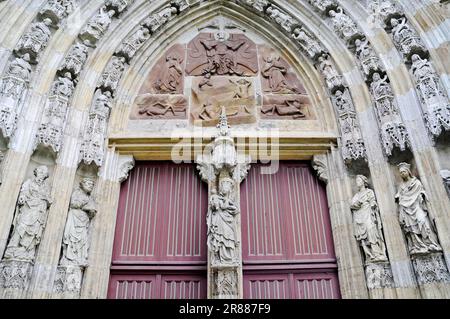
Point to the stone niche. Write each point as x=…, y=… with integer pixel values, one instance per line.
x=221, y=69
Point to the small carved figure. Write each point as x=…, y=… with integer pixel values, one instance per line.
x=427, y=80
x=405, y=37
x=383, y=95
x=17, y=77
x=288, y=108
x=36, y=39
x=221, y=225
x=171, y=77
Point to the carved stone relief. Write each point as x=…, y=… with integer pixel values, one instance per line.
x=221, y=53
x=405, y=38
x=133, y=43
x=332, y=78
x=167, y=76
x=283, y=19
x=379, y=275
x=57, y=10
x=309, y=44
x=97, y=26
x=157, y=20
x=430, y=269
x=286, y=107
x=118, y=5
x=236, y=94
x=150, y=106
x=368, y=58
x=343, y=24
x=277, y=75
x=226, y=284
x=35, y=40
x=112, y=74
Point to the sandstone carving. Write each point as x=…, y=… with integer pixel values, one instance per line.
x=221, y=53
x=235, y=94
x=93, y=146
x=30, y=217
x=414, y=214
x=367, y=222
x=149, y=106
x=286, y=107
x=276, y=78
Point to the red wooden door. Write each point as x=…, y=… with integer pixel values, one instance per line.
x=286, y=235
x=160, y=240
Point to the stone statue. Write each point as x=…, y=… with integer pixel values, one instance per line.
x=76, y=233
x=36, y=39
x=427, y=80
x=281, y=18
x=132, y=44
x=112, y=74
x=405, y=37
x=97, y=25
x=332, y=77
x=414, y=215
x=171, y=77
x=259, y=5
x=383, y=95
x=221, y=225
x=75, y=59
x=17, y=77
x=367, y=56
x=275, y=71
x=221, y=55
x=64, y=86
x=30, y=217
x=343, y=23
x=367, y=223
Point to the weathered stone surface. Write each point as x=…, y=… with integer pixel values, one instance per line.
x=150, y=106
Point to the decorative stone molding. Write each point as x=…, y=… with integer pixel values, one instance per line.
x=258, y=5
x=126, y=164
x=93, y=145
x=51, y=131
x=323, y=6
x=35, y=40
x=320, y=165
x=68, y=281
x=118, y=5
x=394, y=134
x=157, y=20
x=379, y=275
x=226, y=284
x=430, y=269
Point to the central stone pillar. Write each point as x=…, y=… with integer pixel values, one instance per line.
x=223, y=170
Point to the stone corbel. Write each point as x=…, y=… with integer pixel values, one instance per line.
x=125, y=165
x=320, y=165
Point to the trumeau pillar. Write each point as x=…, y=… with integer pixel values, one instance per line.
x=330, y=169
x=223, y=169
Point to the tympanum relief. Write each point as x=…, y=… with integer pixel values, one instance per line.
x=222, y=67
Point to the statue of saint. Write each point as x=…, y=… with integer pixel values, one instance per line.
x=171, y=77
x=221, y=225
x=275, y=71
x=367, y=223
x=76, y=233
x=413, y=214
x=30, y=217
